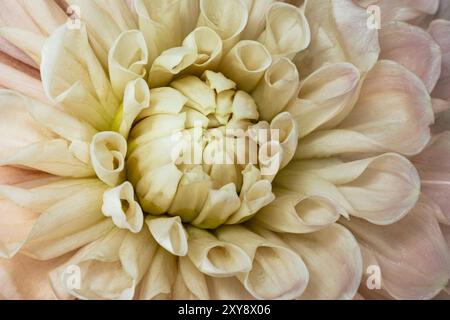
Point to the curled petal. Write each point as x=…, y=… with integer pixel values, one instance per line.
x=326, y=97
x=286, y=130
x=413, y=48
x=170, y=63
x=169, y=233
x=110, y=268
x=287, y=30
x=339, y=33
x=73, y=77
x=412, y=267
x=108, y=151
x=119, y=204
x=208, y=45
x=246, y=64
x=293, y=213
x=127, y=60
x=216, y=258
x=159, y=21
x=227, y=18
x=329, y=248
x=200, y=96
x=389, y=86
x=157, y=283
x=164, y=101
x=381, y=190
x=256, y=18
x=276, y=273
x=276, y=89
x=136, y=99
x=219, y=206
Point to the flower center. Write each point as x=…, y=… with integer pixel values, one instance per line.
x=200, y=153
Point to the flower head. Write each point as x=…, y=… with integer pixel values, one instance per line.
x=209, y=149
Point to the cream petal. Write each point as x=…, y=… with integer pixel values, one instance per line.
x=158, y=282
x=11, y=50
x=73, y=77
x=214, y=257
x=119, y=204
x=52, y=156
x=119, y=12
x=13, y=14
x=164, y=101
x=127, y=60
x=433, y=168
x=227, y=289
x=200, y=96
x=227, y=18
x=111, y=267
x=191, y=194
x=439, y=30
x=189, y=11
x=23, y=278
x=256, y=18
x=159, y=21
x=294, y=213
x=135, y=100
x=30, y=43
x=381, y=190
x=388, y=85
x=20, y=77
x=276, y=273
x=219, y=206
x=246, y=64
x=190, y=283
x=52, y=235
x=286, y=130
x=208, y=45
x=337, y=253
x=170, y=63
x=156, y=190
x=169, y=233
x=413, y=48
x=270, y=157
x=412, y=253
x=108, y=151
x=326, y=97
x=102, y=28
x=278, y=86
x=339, y=33
x=287, y=30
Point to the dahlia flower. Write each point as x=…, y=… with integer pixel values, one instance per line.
x=210, y=149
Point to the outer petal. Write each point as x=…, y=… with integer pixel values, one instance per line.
x=333, y=259
x=439, y=30
x=23, y=278
x=372, y=126
x=338, y=33
x=433, y=165
x=413, y=48
x=412, y=253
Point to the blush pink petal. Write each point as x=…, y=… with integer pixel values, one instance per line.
x=440, y=31
x=11, y=50
x=444, y=10
x=25, y=278
x=413, y=48
x=433, y=165
x=403, y=10
x=11, y=175
x=412, y=254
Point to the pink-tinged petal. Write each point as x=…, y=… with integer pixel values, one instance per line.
x=402, y=10
x=11, y=50
x=13, y=14
x=339, y=33
x=23, y=278
x=440, y=106
x=18, y=128
x=10, y=175
x=20, y=77
x=393, y=113
x=433, y=165
x=440, y=31
x=413, y=48
x=412, y=254
x=444, y=10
